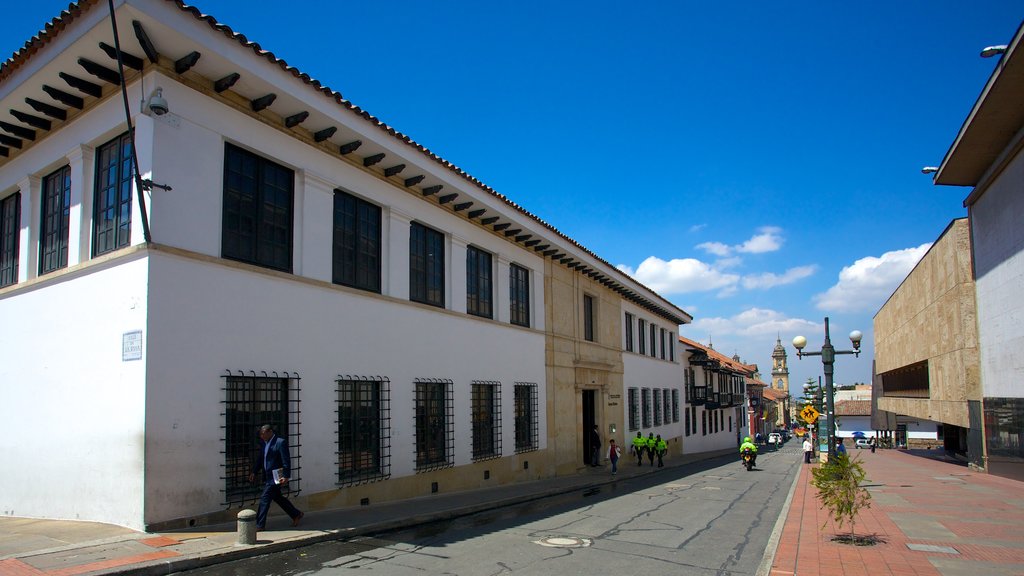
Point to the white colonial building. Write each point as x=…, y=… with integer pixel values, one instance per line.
x=279, y=256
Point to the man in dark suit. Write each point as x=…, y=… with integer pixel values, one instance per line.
x=274, y=457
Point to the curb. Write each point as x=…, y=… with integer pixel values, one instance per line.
x=773, y=541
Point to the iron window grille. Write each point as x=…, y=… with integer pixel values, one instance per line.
x=675, y=405
x=519, y=295
x=693, y=419
x=357, y=244
x=486, y=420
x=645, y=396
x=588, y=318
x=426, y=265
x=258, y=206
x=686, y=423
x=112, y=196
x=56, y=219
x=666, y=402
x=633, y=398
x=657, y=406
x=251, y=400
x=479, y=282
x=435, y=424
x=10, y=230
x=364, y=429
x=526, y=415
x=629, y=332
x=641, y=337
x=704, y=423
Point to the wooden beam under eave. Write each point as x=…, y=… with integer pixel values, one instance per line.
x=321, y=135
x=83, y=86
x=557, y=256
x=541, y=248
x=64, y=97
x=430, y=190
x=34, y=121
x=371, y=160
x=447, y=198
x=100, y=71
x=186, y=62
x=296, y=119
x=489, y=220
x=392, y=170
x=51, y=111
x=524, y=237
x=461, y=206
x=262, y=102
x=145, y=42
x=226, y=82
x=502, y=226
x=512, y=232
x=8, y=141
x=531, y=243
x=19, y=131
x=549, y=252
x=409, y=182
x=350, y=147
x=129, y=60
x=473, y=214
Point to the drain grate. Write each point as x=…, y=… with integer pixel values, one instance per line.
x=563, y=542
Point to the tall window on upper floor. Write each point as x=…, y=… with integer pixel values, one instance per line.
x=356, y=242
x=654, y=341
x=519, y=295
x=671, y=346
x=10, y=228
x=588, y=318
x=258, y=206
x=112, y=196
x=56, y=217
x=663, y=334
x=479, y=284
x=629, y=332
x=426, y=265
x=641, y=333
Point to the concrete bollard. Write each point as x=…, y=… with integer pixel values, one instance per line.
x=246, y=527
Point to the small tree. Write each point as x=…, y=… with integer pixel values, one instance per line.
x=838, y=483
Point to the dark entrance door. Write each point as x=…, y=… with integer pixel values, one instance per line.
x=589, y=420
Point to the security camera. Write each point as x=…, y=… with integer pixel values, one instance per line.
x=156, y=104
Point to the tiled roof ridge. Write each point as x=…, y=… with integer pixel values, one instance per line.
x=76, y=8
x=718, y=355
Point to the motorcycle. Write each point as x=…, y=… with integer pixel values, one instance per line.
x=748, y=459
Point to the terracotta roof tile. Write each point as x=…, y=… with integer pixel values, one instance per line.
x=853, y=408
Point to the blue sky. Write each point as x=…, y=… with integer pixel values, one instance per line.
x=756, y=163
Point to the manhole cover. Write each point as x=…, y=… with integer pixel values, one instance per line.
x=563, y=542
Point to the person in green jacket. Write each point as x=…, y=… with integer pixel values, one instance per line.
x=753, y=448
x=651, y=443
x=639, y=445
x=661, y=447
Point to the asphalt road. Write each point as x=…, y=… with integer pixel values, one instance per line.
x=711, y=517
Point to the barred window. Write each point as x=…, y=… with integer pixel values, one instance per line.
x=672, y=346
x=258, y=204
x=666, y=401
x=526, y=417
x=250, y=402
x=486, y=420
x=356, y=250
x=519, y=295
x=654, y=341
x=664, y=334
x=364, y=430
x=56, y=219
x=10, y=231
x=633, y=397
x=657, y=407
x=435, y=426
x=112, y=199
x=479, y=291
x=645, y=395
x=704, y=423
x=675, y=405
x=686, y=424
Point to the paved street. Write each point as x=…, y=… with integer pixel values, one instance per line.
x=713, y=518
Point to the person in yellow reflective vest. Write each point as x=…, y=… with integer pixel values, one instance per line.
x=660, y=447
x=753, y=448
x=639, y=445
x=651, y=442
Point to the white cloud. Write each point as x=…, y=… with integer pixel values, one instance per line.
x=867, y=283
x=753, y=322
x=767, y=280
x=680, y=275
x=768, y=239
x=697, y=228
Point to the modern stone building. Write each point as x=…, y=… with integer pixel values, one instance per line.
x=246, y=246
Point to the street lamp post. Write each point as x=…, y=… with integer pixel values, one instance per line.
x=828, y=358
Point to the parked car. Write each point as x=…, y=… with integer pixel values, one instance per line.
x=862, y=443
x=775, y=439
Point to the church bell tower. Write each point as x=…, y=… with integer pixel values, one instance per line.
x=780, y=372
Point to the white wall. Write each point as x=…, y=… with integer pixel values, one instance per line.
x=998, y=251
x=72, y=408
x=644, y=371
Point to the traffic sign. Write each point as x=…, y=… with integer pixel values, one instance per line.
x=809, y=414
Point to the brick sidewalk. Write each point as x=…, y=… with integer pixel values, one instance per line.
x=932, y=518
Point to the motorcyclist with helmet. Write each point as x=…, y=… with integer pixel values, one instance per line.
x=747, y=444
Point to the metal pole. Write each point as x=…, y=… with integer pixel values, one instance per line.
x=828, y=358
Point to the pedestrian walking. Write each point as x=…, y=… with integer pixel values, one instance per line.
x=613, y=455
x=871, y=443
x=639, y=444
x=661, y=447
x=650, y=448
x=840, y=448
x=808, y=450
x=595, y=447
x=276, y=465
